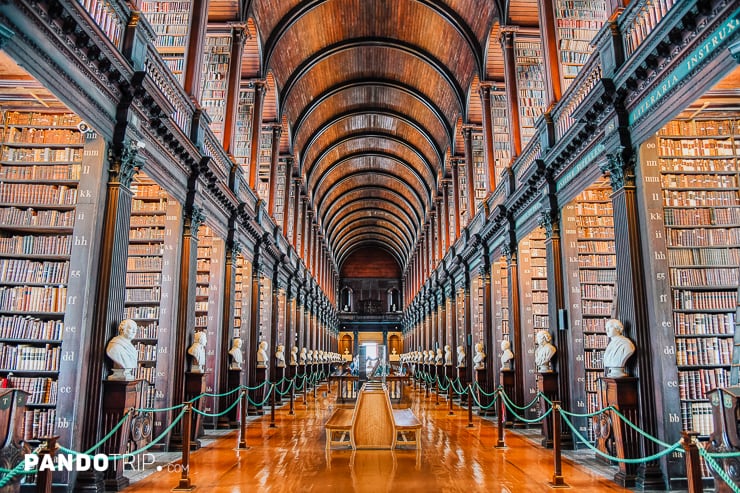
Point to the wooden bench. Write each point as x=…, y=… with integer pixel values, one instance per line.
x=379, y=425
x=405, y=422
x=339, y=423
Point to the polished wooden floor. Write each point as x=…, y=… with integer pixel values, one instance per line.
x=454, y=458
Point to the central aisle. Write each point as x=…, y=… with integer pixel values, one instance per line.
x=454, y=458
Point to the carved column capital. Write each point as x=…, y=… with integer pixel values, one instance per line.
x=549, y=221
x=196, y=218
x=123, y=162
x=620, y=169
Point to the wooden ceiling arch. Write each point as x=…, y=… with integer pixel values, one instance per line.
x=367, y=244
x=371, y=193
x=364, y=216
x=377, y=237
x=367, y=207
x=373, y=222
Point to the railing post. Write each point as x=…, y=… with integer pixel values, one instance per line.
x=470, y=406
x=242, y=445
x=315, y=385
x=273, y=390
x=557, y=476
x=185, y=484
x=292, y=392
x=43, y=477
x=436, y=384
x=500, y=419
x=691, y=455
x=305, y=390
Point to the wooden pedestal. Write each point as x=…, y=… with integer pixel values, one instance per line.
x=231, y=419
x=118, y=397
x=258, y=394
x=279, y=372
x=195, y=385
x=547, y=383
x=622, y=394
x=506, y=380
x=481, y=377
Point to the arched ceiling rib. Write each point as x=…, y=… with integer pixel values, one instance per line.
x=370, y=93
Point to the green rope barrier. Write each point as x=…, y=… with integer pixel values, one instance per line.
x=259, y=386
x=442, y=388
x=18, y=469
x=286, y=390
x=638, y=430
x=480, y=389
x=159, y=410
x=478, y=403
x=544, y=397
x=212, y=415
x=724, y=455
x=267, y=397
x=524, y=408
x=153, y=442
x=709, y=459
x=208, y=394
x=106, y=437
x=585, y=415
x=521, y=418
x=458, y=392
x=672, y=448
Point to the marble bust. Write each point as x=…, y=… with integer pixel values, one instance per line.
x=448, y=355
x=262, y=355
x=479, y=357
x=544, y=352
x=303, y=356
x=439, y=358
x=460, y=356
x=237, y=358
x=280, y=356
x=618, y=351
x=197, y=352
x=507, y=356
x=122, y=352
x=294, y=356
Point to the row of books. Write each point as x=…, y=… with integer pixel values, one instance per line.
x=43, y=390
x=699, y=237
x=35, y=245
x=701, y=300
x=679, y=164
x=595, y=341
x=145, y=250
x=699, y=181
x=153, y=234
x=13, y=216
x=704, y=277
x=596, y=246
x=146, y=352
x=594, y=360
x=700, y=198
x=700, y=127
x=33, y=298
x=594, y=325
x=25, y=357
x=600, y=291
x=38, y=172
x=697, y=416
x=703, y=351
x=33, y=135
x=30, y=328
x=106, y=17
x=142, y=312
x=143, y=278
x=148, y=330
x=27, y=271
x=597, y=276
x=46, y=155
x=702, y=216
x=38, y=194
x=593, y=260
x=694, y=384
x=704, y=323
x=41, y=119
x=134, y=295
x=38, y=423
x=155, y=220
x=153, y=263
x=644, y=23
x=601, y=308
x=158, y=205
x=596, y=233
x=706, y=147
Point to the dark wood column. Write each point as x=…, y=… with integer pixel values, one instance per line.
x=488, y=383
x=238, y=37
x=306, y=240
x=194, y=56
x=453, y=339
x=254, y=319
x=290, y=307
x=442, y=324
x=468, y=328
x=515, y=319
x=185, y=319
x=440, y=228
x=286, y=195
x=259, y=97
x=277, y=131
x=110, y=293
x=227, y=316
x=274, y=321
x=507, y=43
x=485, y=96
x=546, y=11
x=550, y=222
x=632, y=301
x=300, y=318
x=455, y=162
x=467, y=133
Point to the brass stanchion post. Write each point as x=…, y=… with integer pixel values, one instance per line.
x=557, y=476
x=693, y=466
x=273, y=389
x=470, y=406
x=243, y=422
x=43, y=477
x=185, y=484
x=449, y=399
x=292, y=392
x=436, y=384
x=500, y=420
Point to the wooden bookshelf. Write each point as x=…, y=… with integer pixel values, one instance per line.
x=530, y=83
x=576, y=24
x=534, y=318
x=264, y=160
x=591, y=277
x=209, y=276
x=170, y=21
x=692, y=193
x=280, y=193
x=44, y=161
x=501, y=135
x=216, y=63
x=243, y=131
x=480, y=178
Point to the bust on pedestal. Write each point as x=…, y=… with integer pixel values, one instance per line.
x=294, y=356
x=262, y=355
x=197, y=352
x=122, y=352
x=507, y=356
x=618, y=351
x=480, y=356
x=280, y=356
x=544, y=352
x=237, y=358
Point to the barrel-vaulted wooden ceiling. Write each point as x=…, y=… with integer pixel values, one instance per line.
x=371, y=93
